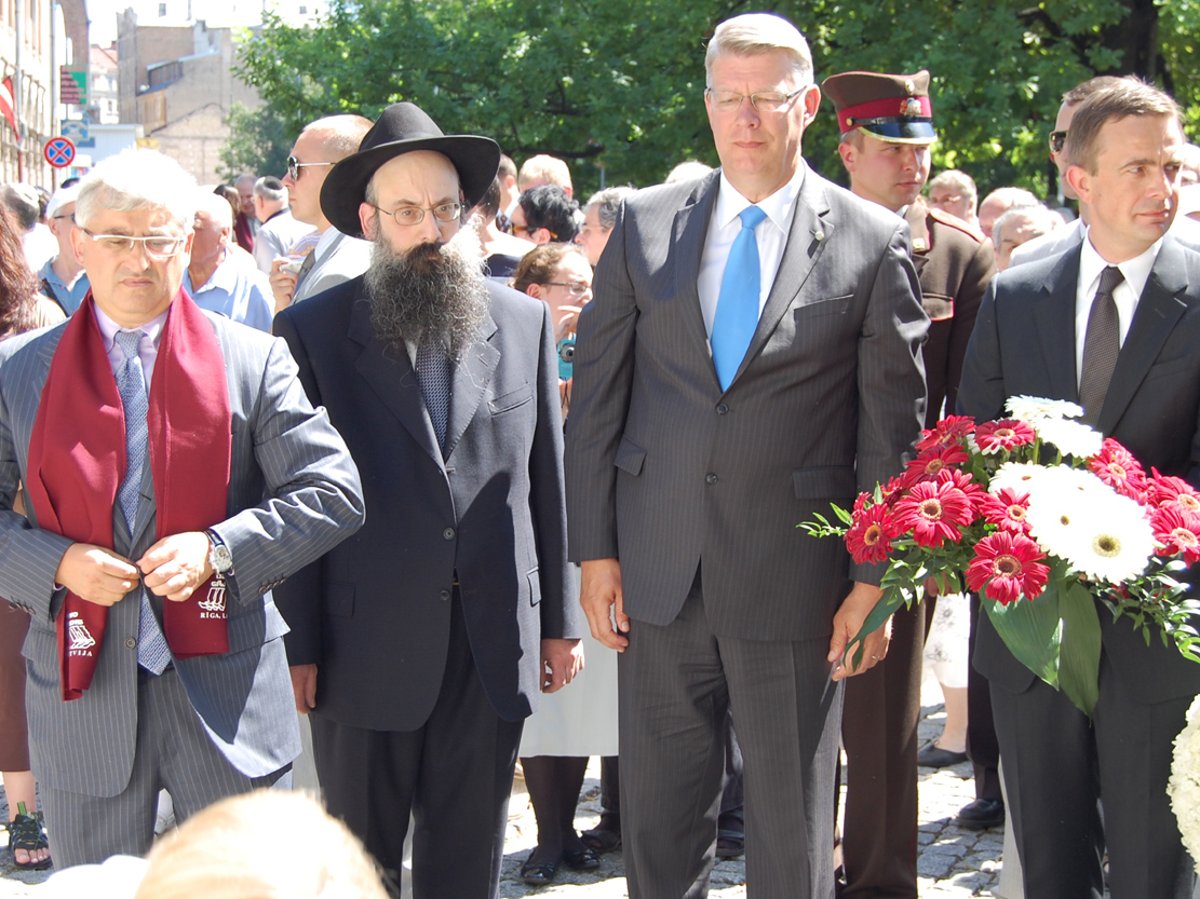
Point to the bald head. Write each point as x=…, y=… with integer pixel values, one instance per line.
x=321, y=144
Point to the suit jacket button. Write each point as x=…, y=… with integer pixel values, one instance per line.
x=445, y=594
x=131, y=643
x=722, y=408
x=711, y=479
x=448, y=534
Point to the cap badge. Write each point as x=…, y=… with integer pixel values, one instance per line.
x=910, y=107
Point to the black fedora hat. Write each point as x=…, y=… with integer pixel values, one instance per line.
x=403, y=128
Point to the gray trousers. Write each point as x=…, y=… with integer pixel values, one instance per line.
x=173, y=752
x=676, y=684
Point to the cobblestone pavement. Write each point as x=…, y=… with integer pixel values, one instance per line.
x=953, y=863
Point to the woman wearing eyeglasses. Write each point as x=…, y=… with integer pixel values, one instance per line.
x=22, y=309
x=580, y=721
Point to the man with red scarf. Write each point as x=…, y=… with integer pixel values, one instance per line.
x=174, y=472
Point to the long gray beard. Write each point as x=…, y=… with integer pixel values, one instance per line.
x=430, y=289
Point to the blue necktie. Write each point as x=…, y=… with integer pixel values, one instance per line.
x=433, y=371
x=153, y=654
x=737, y=304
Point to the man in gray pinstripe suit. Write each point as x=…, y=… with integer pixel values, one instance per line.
x=163, y=701
x=685, y=480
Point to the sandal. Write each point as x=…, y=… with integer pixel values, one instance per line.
x=601, y=839
x=582, y=859
x=538, y=875
x=28, y=833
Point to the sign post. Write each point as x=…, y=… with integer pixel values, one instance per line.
x=59, y=151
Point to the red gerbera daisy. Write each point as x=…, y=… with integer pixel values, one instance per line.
x=1003, y=435
x=947, y=432
x=892, y=490
x=1164, y=490
x=956, y=477
x=1117, y=467
x=1007, y=566
x=869, y=536
x=929, y=462
x=1177, y=533
x=933, y=513
x=1007, y=510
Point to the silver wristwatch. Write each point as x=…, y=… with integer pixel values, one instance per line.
x=219, y=556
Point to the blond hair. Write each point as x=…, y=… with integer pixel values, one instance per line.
x=268, y=844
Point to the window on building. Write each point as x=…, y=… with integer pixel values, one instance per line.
x=162, y=10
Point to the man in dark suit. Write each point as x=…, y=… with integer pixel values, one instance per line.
x=886, y=125
x=422, y=644
x=1042, y=331
x=173, y=472
x=751, y=354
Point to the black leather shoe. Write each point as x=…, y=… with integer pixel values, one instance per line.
x=933, y=756
x=981, y=814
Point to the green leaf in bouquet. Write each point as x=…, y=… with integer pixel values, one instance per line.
x=821, y=527
x=1079, y=651
x=1032, y=631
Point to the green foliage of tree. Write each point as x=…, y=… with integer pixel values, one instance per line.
x=615, y=87
x=259, y=142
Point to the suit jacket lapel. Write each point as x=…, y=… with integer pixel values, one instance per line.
x=689, y=231
x=1158, y=309
x=809, y=231
x=470, y=381
x=1054, y=315
x=391, y=376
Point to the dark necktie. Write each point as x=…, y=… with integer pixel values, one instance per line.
x=152, y=651
x=1101, y=345
x=306, y=266
x=737, y=303
x=433, y=370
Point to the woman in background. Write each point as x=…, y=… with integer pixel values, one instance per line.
x=22, y=309
x=581, y=721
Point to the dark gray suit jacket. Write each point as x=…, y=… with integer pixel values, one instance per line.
x=374, y=615
x=665, y=471
x=1024, y=344
x=293, y=494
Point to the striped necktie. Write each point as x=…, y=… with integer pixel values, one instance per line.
x=153, y=653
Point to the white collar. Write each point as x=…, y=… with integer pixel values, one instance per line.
x=778, y=206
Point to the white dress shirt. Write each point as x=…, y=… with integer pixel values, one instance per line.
x=1136, y=273
x=723, y=228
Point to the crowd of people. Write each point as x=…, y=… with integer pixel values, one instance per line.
x=377, y=477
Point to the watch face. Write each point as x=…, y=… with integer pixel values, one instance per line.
x=222, y=560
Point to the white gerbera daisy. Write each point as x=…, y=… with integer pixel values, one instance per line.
x=1035, y=409
x=1184, y=785
x=1071, y=438
x=1059, y=505
x=1016, y=476
x=1111, y=540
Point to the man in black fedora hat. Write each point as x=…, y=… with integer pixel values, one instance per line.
x=420, y=648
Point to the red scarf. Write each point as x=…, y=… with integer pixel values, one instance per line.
x=77, y=460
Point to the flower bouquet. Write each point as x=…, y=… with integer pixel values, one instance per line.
x=1047, y=521
x=1184, y=785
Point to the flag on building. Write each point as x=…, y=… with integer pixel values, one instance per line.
x=8, y=105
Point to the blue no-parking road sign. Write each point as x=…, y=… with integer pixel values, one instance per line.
x=59, y=151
